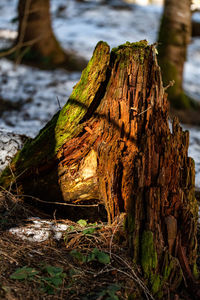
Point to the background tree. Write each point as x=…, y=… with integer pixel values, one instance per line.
x=174, y=37
x=111, y=145
x=36, y=41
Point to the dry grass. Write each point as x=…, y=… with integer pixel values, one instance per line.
x=82, y=279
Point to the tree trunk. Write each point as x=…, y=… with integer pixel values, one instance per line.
x=174, y=36
x=195, y=28
x=111, y=144
x=36, y=41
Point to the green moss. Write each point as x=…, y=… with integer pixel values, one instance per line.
x=156, y=283
x=82, y=95
x=168, y=35
x=176, y=96
x=171, y=270
x=195, y=271
x=167, y=267
x=135, y=296
x=149, y=259
x=137, y=45
x=136, y=50
x=159, y=295
x=66, y=123
x=130, y=223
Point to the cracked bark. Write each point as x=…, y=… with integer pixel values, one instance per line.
x=111, y=144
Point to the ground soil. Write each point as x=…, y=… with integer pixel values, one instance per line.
x=81, y=280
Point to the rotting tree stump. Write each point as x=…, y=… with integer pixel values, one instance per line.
x=111, y=144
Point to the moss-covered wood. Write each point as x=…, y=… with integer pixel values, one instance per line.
x=174, y=37
x=36, y=42
x=111, y=144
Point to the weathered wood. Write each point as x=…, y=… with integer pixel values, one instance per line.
x=111, y=144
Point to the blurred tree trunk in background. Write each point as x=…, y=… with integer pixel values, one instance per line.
x=174, y=37
x=36, y=41
x=111, y=145
x=195, y=28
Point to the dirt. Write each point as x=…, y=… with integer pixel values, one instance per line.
x=79, y=278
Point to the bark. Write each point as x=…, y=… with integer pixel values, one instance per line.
x=111, y=144
x=36, y=41
x=174, y=36
x=195, y=28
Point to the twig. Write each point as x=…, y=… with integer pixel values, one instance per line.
x=113, y=236
x=58, y=103
x=57, y=203
x=9, y=257
x=13, y=175
x=171, y=83
x=144, y=111
x=134, y=109
x=135, y=277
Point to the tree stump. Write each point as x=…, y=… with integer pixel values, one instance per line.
x=111, y=144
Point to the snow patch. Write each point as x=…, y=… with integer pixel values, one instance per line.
x=40, y=230
x=79, y=26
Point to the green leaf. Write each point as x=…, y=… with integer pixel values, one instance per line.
x=103, y=258
x=95, y=251
x=90, y=230
x=113, y=297
x=56, y=281
x=23, y=273
x=82, y=223
x=91, y=257
x=102, y=293
x=52, y=271
x=111, y=290
x=114, y=288
x=78, y=255
x=71, y=228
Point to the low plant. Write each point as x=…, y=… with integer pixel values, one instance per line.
x=94, y=255
x=107, y=293
x=50, y=278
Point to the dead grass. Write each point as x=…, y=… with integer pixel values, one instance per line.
x=82, y=278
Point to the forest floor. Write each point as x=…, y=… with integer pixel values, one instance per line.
x=88, y=261
x=83, y=260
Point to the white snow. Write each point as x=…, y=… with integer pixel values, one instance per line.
x=79, y=26
x=38, y=230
